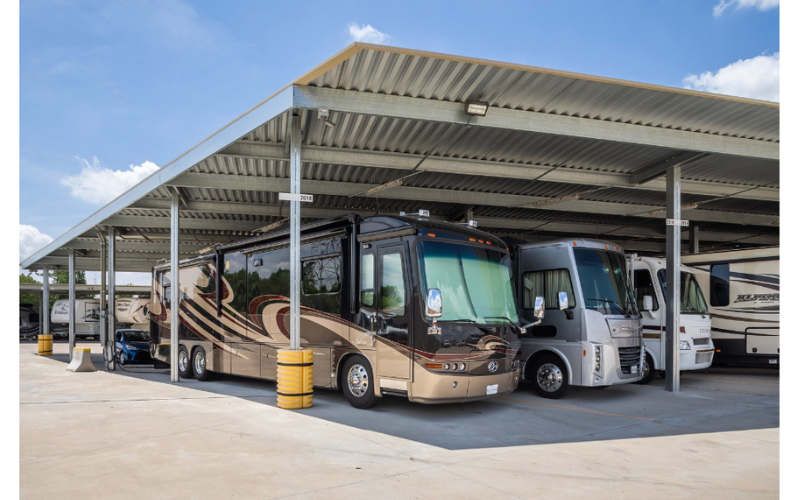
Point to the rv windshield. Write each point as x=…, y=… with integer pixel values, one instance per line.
x=604, y=282
x=475, y=282
x=692, y=300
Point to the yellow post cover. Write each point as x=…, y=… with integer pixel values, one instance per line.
x=295, y=379
x=45, y=345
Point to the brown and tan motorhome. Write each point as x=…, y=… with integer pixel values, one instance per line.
x=389, y=305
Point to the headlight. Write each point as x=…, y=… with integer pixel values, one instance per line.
x=685, y=345
x=447, y=366
x=130, y=347
x=463, y=366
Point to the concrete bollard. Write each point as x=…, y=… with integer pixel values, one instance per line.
x=295, y=379
x=81, y=360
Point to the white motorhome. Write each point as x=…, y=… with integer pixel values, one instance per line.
x=648, y=275
x=28, y=321
x=593, y=334
x=134, y=312
x=743, y=290
x=87, y=318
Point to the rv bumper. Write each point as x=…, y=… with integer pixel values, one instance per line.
x=434, y=388
x=615, y=367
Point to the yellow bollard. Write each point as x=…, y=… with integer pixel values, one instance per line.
x=45, y=345
x=295, y=379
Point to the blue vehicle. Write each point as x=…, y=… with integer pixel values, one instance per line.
x=133, y=346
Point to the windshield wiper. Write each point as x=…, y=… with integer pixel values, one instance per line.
x=624, y=311
x=499, y=317
x=465, y=320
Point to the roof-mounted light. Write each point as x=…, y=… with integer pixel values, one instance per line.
x=325, y=115
x=476, y=108
x=424, y=213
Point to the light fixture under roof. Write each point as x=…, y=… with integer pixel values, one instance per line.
x=324, y=114
x=476, y=108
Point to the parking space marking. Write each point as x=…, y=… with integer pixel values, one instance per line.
x=581, y=409
x=741, y=380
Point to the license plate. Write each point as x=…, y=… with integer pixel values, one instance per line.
x=634, y=369
x=773, y=361
x=491, y=389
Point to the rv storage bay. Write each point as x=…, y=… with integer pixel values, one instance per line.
x=135, y=435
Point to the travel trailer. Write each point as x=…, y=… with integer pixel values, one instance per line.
x=649, y=277
x=389, y=304
x=743, y=291
x=592, y=333
x=133, y=312
x=28, y=321
x=87, y=318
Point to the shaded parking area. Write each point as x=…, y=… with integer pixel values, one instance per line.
x=718, y=438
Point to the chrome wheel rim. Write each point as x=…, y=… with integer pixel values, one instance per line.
x=549, y=377
x=183, y=361
x=358, y=380
x=199, y=363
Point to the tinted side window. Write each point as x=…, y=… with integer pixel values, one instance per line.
x=322, y=285
x=719, y=284
x=368, y=280
x=546, y=284
x=643, y=284
x=235, y=274
x=393, y=288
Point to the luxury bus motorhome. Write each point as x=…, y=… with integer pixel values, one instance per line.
x=592, y=334
x=390, y=305
x=743, y=291
x=649, y=278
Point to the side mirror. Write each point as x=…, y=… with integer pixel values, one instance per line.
x=433, y=309
x=563, y=300
x=647, y=303
x=538, y=307
x=433, y=304
x=538, y=313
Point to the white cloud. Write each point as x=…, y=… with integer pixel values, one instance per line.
x=757, y=78
x=367, y=33
x=99, y=185
x=742, y=4
x=31, y=241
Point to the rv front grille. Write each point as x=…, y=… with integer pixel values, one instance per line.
x=629, y=356
x=704, y=341
x=703, y=357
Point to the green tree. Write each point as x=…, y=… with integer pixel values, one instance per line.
x=28, y=298
x=62, y=276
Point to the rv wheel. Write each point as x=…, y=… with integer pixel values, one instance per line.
x=550, y=378
x=199, y=365
x=357, y=383
x=648, y=372
x=184, y=363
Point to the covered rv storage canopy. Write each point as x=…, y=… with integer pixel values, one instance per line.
x=556, y=154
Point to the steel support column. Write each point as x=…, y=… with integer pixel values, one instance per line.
x=71, y=310
x=294, y=251
x=175, y=289
x=103, y=301
x=673, y=311
x=694, y=239
x=44, y=319
x=112, y=292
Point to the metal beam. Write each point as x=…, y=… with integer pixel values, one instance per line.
x=45, y=317
x=111, y=310
x=62, y=288
x=346, y=101
x=486, y=168
x=694, y=239
x=175, y=290
x=659, y=167
x=294, y=231
x=346, y=189
x=71, y=306
x=673, y=310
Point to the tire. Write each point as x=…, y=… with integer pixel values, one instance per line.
x=648, y=370
x=121, y=358
x=185, y=369
x=550, y=377
x=199, y=365
x=358, y=383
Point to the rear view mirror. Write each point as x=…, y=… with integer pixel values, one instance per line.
x=563, y=300
x=433, y=303
x=647, y=303
x=538, y=307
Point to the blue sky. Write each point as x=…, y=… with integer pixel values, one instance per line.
x=109, y=91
